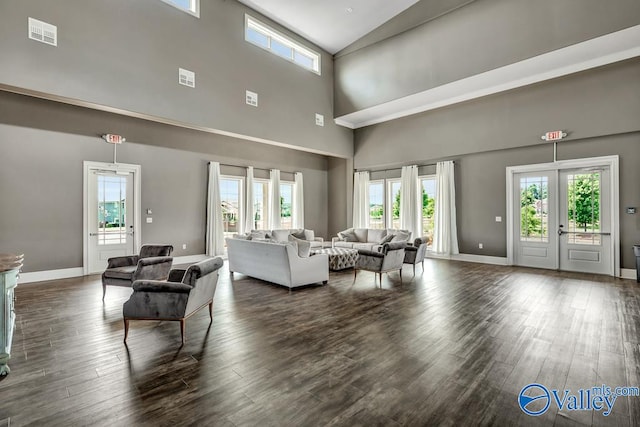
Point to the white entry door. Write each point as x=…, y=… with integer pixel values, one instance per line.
x=563, y=215
x=535, y=238
x=585, y=218
x=111, y=211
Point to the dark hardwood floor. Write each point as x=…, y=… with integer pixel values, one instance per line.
x=453, y=345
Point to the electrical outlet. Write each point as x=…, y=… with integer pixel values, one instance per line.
x=480, y=245
x=498, y=219
x=184, y=246
x=149, y=220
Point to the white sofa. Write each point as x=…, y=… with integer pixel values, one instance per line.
x=276, y=262
x=369, y=238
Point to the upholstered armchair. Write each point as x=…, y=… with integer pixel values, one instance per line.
x=415, y=254
x=153, y=263
x=390, y=258
x=185, y=293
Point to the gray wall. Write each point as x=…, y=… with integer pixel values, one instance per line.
x=475, y=38
x=44, y=143
x=125, y=55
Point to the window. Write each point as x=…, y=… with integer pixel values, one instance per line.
x=376, y=204
x=583, y=208
x=190, y=6
x=112, y=194
x=231, y=201
x=286, y=203
x=261, y=35
x=260, y=204
x=428, y=184
x=534, y=221
x=393, y=202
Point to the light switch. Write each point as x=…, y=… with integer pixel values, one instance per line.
x=149, y=220
x=149, y=212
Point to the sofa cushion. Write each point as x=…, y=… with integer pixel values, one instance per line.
x=361, y=234
x=303, y=247
x=125, y=273
x=375, y=235
x=386, y=239
x=298, y=234
x=280, y=235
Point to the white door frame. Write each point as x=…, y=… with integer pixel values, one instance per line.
x=137, y=204
x=610, y=161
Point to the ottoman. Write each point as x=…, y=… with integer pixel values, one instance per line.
x=339, y=258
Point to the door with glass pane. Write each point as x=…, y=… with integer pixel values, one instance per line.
x=584, y=220
x=110, y=208
x=535, y=220
x=231, y=196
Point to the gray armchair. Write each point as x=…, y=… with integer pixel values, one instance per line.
x=415, y=254
x=185, y=293
x=153, y=263
x=390, y=258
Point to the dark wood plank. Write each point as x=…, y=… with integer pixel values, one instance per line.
x=452, y=345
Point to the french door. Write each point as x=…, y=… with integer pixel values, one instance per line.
x=112, y=213
x=563, y=216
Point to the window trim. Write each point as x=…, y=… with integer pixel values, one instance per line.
x=271, y=33
x=194, y=9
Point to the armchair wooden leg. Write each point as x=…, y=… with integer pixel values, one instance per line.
x=182, y=322
x=211, y=312
x=104, y=291
x=414, y=269
x=126, y=329
x=380, y=279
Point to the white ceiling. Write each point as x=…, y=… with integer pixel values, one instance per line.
x=328, y=23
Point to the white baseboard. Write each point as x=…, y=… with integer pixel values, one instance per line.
x=41, y=276
x=66, y=273
x=482, y=259
x=628, y=273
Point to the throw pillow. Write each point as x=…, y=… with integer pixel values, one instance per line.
x=304, y=247
x=348, y=236
x=242, y=236
x=386, y=239
x=258, y=234
x=299, y=234
x=401, y=237
x=309, y=235
x=280, y=235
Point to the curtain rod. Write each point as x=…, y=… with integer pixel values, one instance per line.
x=399, y=168
x=244, y=167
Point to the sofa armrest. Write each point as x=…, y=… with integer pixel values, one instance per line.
x=318, y=239
x=375, y=254
x=160, y=286
x=153, y=268
x=122, y=261
x=336, y=239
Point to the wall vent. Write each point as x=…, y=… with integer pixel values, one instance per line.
x=43, y=32
x=319, y=120
x=252, y=98
x=186, y=77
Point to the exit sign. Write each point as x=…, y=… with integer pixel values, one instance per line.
x=555, y=135
x=113, y=139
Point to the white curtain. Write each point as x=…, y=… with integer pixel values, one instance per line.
x=445, y=234
x=298, y=201
x=215, y=231
x=249, y=213
x=410, y=206
x=274, y=199
x=361, y=200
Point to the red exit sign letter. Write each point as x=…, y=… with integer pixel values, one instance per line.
x=555, y=135
x=113, y=139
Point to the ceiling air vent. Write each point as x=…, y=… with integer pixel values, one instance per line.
x=43, y=32
x=252, y=98
x=186, y=77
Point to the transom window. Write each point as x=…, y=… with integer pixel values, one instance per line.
x=262, y=35
x=190, y=6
